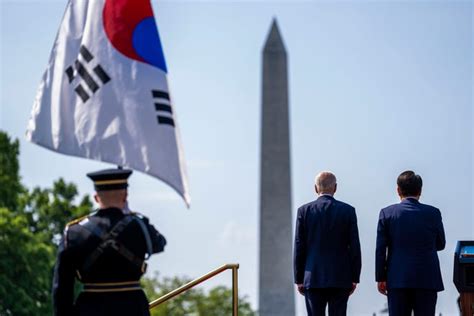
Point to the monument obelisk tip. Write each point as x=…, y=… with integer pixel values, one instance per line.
x=274, y=41
x=276, y=289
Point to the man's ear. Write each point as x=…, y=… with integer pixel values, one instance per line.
x=399, y=192
x=316, y=189
x=97, y=198
x=335, y=188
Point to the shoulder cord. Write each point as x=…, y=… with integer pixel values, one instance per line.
x=146, y=234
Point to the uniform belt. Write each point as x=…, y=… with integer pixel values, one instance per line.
x=112, y=287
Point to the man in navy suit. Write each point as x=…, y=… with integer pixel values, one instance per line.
x=327, y=259
x=409, y=234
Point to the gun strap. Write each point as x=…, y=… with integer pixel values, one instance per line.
x=110, y=240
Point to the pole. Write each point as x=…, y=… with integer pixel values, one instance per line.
x=235, y=294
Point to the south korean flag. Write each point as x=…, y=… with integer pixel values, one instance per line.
x=105, y=96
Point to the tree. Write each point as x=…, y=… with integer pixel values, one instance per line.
x=49, y=210
x=196, y=302
x=10, y=186
x=25, y=264
x=31, y=224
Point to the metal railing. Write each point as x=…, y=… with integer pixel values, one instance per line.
x=187, y=286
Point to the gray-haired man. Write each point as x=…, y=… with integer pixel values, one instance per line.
x=327, y=258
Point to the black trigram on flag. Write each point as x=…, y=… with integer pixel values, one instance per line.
x=80, y=69
x=163, y=107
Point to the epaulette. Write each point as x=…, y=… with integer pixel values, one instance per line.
x=73, y=222
x=139, y=215
x=77, y=220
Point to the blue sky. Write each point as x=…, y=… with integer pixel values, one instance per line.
x=376, y=87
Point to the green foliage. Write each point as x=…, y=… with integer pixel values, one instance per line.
x=10, y=185
x=25, y=263
x=30, y=225
x=49, y=210
x=194, y=302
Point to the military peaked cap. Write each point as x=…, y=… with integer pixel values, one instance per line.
x=110, y=179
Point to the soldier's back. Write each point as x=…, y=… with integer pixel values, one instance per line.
x=108, y=251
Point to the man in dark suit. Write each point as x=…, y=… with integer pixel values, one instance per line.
x=106, y=251
x=327, y=259
x=409, y=234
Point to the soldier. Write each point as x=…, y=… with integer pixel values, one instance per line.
x=107, y=252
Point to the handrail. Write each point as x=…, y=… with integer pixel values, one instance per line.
x=187, y=286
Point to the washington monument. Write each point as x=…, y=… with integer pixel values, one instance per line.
x=276, y=294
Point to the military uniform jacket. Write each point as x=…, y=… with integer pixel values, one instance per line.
x=78, y=257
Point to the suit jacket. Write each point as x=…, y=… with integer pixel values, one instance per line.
x=327, y=248
x=79, y=242
x=409, y=234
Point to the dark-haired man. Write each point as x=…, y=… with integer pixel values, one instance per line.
x=106, y=252
x=409, y=234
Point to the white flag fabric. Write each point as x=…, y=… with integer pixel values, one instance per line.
x=104, y=95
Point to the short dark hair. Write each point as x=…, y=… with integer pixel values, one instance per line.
x=409, y=183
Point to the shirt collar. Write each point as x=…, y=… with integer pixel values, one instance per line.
x=324, y=195
x=111, y=210
x=410, y=199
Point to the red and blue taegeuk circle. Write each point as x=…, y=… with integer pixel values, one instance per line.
x=130, y=26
